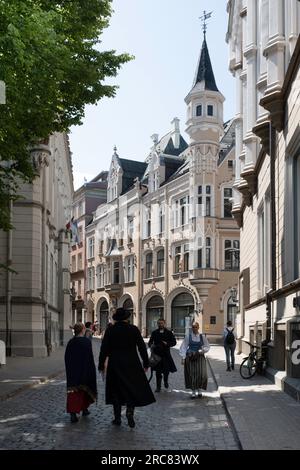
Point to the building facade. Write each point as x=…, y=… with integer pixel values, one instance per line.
x=165, y=243
x=263, y=39
x=86, y=200
x=35, y=308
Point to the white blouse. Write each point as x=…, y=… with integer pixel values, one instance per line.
x=185, y=344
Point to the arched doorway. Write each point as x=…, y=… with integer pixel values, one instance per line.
x=104, y=315
x=128, y=306
x=231, y=310
x=154, y=311
x=183, y=307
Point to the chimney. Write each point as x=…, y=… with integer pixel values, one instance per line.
x=176, y=132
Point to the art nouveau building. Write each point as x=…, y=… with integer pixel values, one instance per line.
x=263, y=37
x=35, y=309
x=165, y=243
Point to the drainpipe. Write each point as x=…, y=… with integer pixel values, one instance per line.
x=9, y=284
x=272, y=141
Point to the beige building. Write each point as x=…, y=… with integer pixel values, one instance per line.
x=35, y=308
x=86, y=199
x=165, y=243
x=264, y=44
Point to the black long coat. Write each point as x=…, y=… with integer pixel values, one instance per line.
x=167, y=364
x=80, y=366
x=126, y=381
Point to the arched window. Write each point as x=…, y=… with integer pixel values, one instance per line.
x=128, y=306
x=160, y=262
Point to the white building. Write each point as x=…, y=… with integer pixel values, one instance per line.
x=263, y=37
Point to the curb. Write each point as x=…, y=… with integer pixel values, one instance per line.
x=21, y=389
x=227, y=412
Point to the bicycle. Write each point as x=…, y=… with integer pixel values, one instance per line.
x=251, y=364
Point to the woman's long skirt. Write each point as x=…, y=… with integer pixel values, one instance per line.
x=78, y=401
x=195, y=373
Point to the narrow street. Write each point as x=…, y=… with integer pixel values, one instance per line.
x=36, y=419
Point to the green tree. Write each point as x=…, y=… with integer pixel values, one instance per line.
x=52, y=64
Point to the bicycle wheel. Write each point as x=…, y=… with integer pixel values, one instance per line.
x=248, y=368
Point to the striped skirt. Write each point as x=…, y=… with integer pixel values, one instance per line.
x=195, y=373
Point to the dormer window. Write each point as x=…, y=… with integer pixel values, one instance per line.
x=199, y=110
x=210, y=110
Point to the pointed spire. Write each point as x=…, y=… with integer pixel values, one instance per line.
x=204, y=70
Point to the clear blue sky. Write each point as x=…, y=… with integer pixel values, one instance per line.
x=165, y=36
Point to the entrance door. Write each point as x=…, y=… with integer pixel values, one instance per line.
x=182, y=307
x=103, y=316
x=128, y=306
x=154, y=311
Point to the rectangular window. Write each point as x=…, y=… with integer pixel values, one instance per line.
x=230, y=163
x=227, y=202
x=177, y=259
x=79, y=267
x=130, y=269
x=213, y=320
x=199, y=110
x=116, y=272
x=296, y=203
x=160, y=262
x=232, y=255
x=210, y=110
x=79, y=289
x=149, y=262
x=130, y=230
x=200, y=258
x=91, y=247
x=264, y=246
x=208, y=252
x=73, y=264
x=91, y=279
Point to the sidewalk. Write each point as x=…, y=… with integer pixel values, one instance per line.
x=20, y=373
x=264, y=417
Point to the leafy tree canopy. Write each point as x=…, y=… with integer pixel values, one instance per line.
x=52, y=65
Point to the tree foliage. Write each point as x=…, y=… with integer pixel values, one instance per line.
x=52, y=65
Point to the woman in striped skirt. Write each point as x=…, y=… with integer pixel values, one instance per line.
x=193, y=350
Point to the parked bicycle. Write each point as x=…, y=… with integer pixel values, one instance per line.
x=251, y=364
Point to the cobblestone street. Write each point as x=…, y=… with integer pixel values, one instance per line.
x=36, y=419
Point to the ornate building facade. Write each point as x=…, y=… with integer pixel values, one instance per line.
x=35, y=308
x=165, y=243
x=264, y=45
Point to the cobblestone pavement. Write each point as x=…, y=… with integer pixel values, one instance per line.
x=36, y=419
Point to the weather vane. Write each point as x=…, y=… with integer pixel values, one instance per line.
x=203, y=19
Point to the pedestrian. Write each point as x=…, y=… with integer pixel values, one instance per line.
x=88, y=330
x=81, y=374
x=193, y=350
x=161, y=341
x=126, y=381
x=229, y=345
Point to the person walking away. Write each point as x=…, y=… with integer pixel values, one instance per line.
x=229, y=345
x=161, y=341
x=88, y=330
x=126, y=381
x=193, y=350
x=81, y=374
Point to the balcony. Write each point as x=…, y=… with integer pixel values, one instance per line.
x=113, y=288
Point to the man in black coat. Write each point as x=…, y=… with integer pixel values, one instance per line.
x=162, y=340
x=126, y=381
